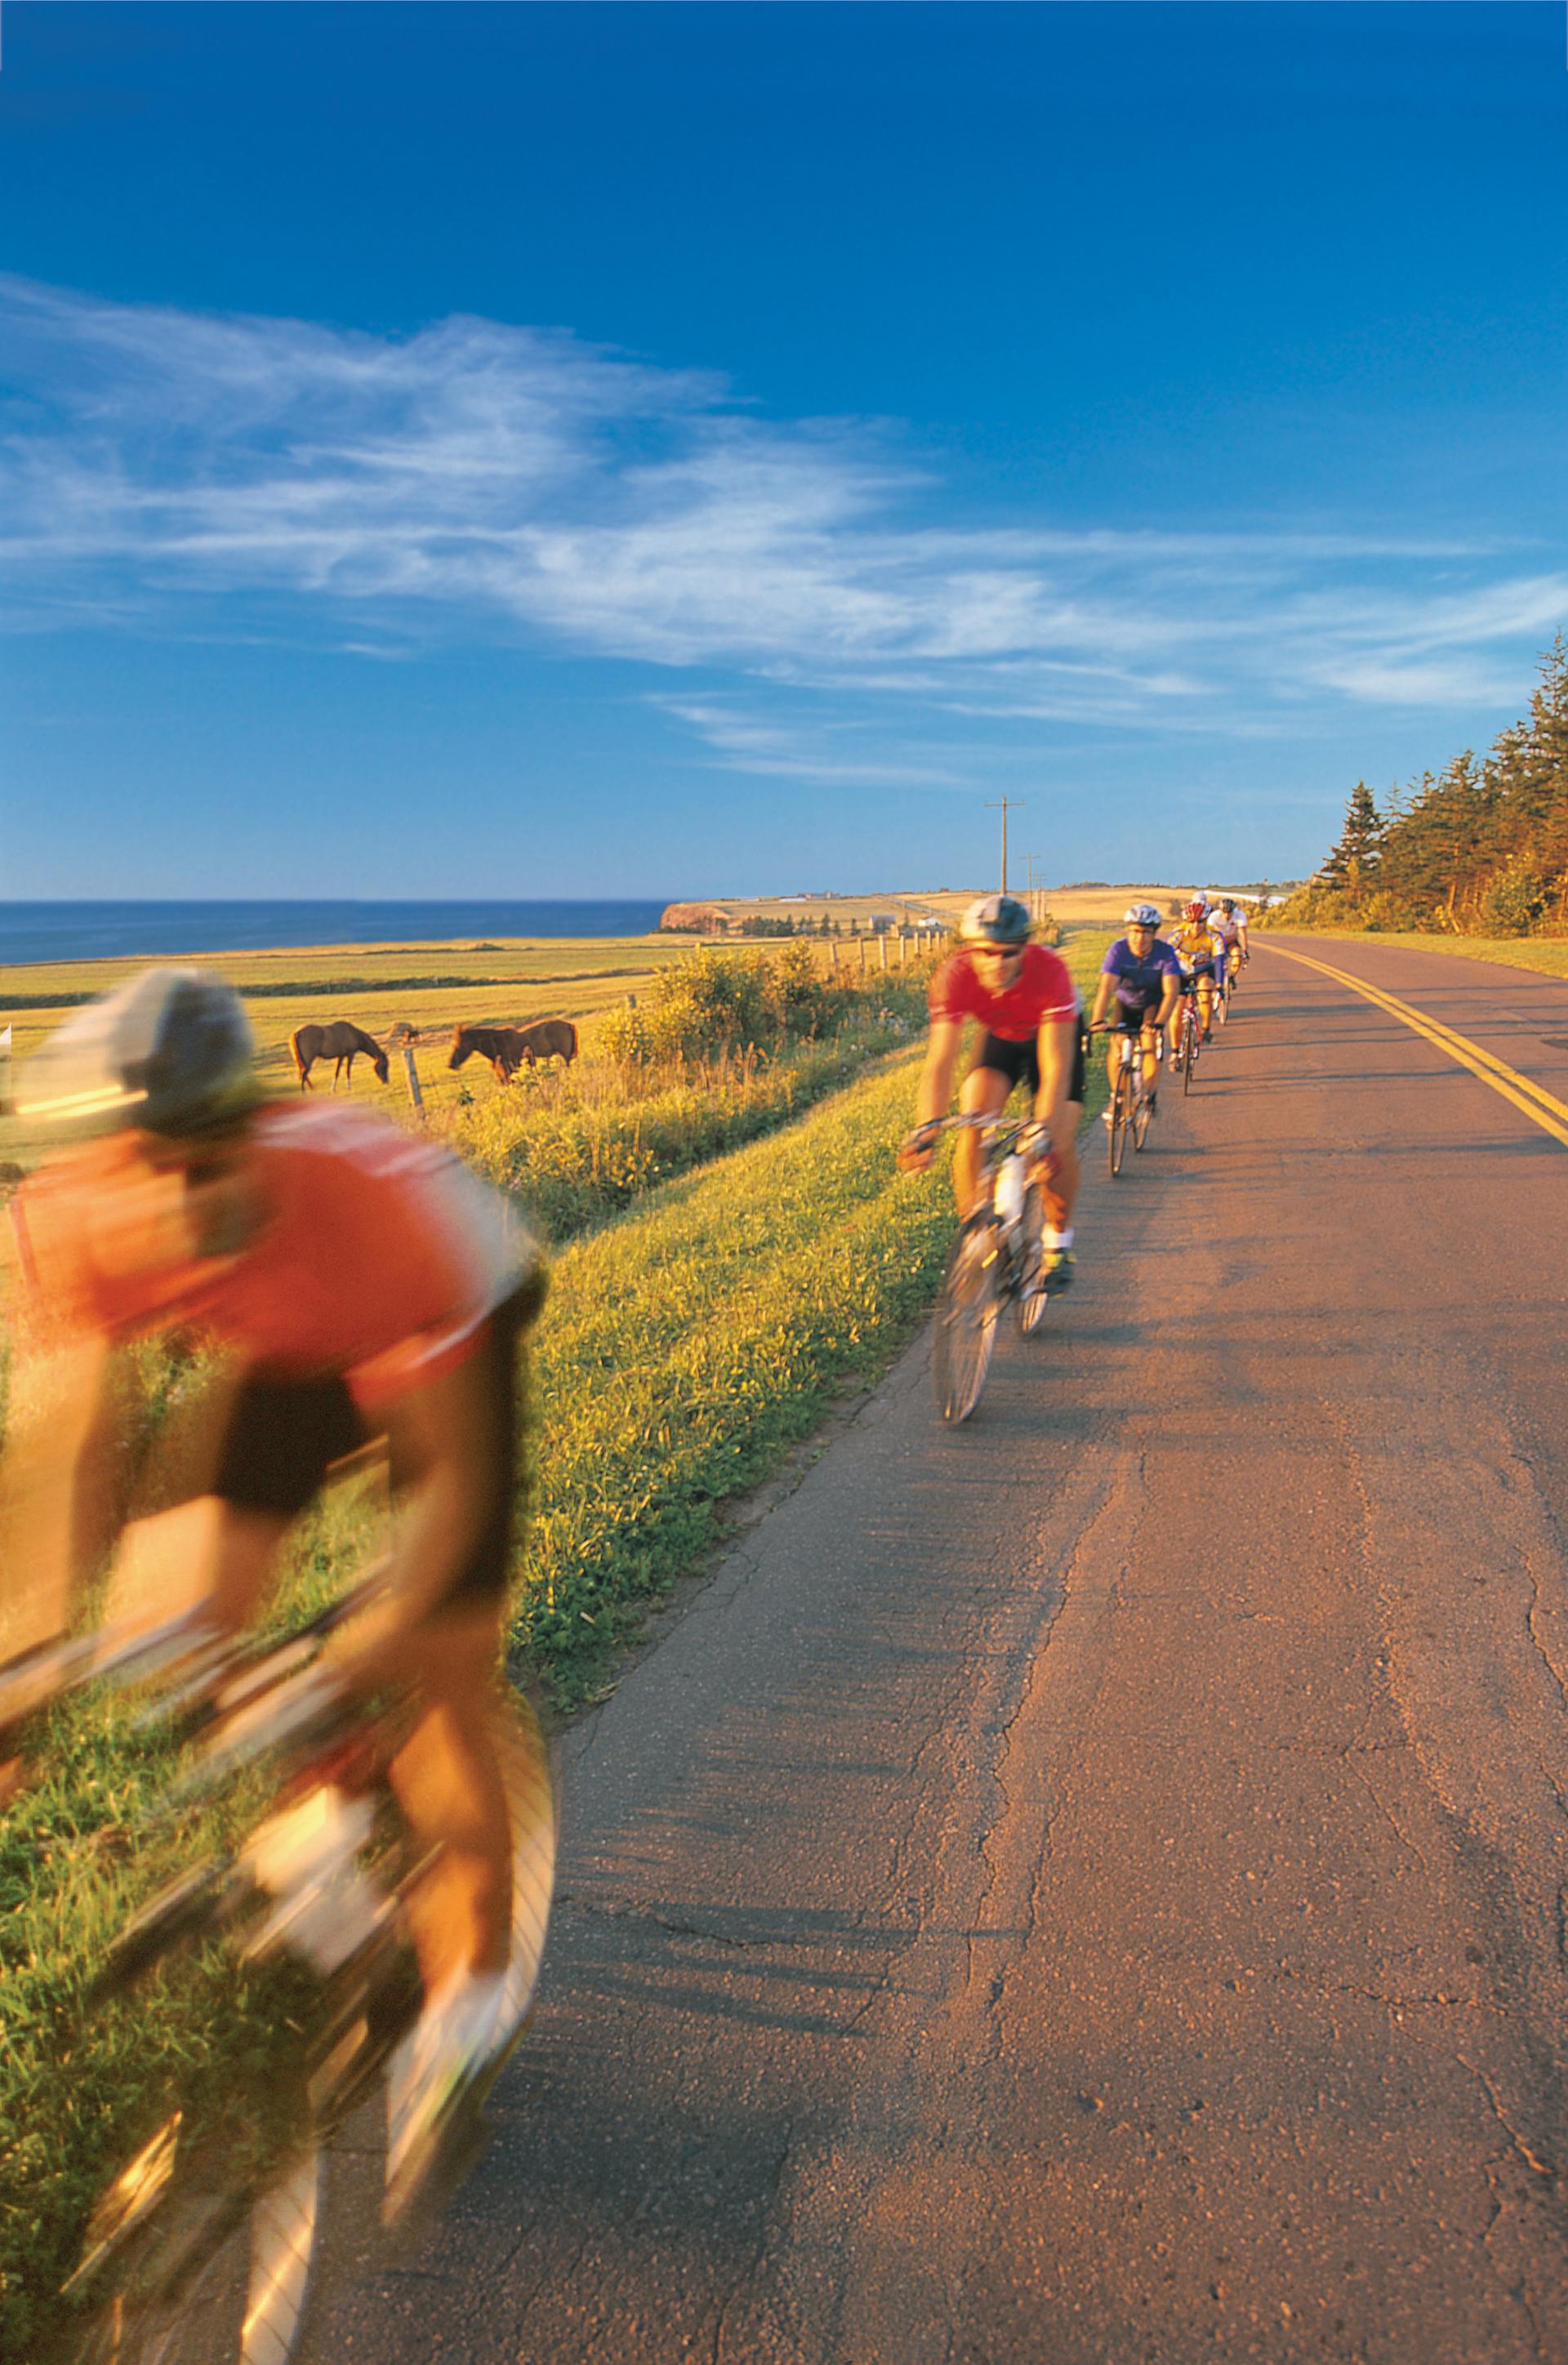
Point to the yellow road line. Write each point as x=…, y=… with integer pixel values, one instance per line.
x=1538, y=1105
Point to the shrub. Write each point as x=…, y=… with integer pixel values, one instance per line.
x=1514, y=900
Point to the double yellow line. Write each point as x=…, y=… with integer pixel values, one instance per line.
x=1538, y=1105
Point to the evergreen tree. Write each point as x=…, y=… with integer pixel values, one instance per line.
x=1353, y=862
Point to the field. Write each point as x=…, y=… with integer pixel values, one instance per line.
x=428, y=986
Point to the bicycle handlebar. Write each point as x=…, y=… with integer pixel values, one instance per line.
x=52, y=1671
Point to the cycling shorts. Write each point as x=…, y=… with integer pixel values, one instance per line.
x=285, y=1434
x=1132, y=1018
x=1020, y=1062
x=1200, y=969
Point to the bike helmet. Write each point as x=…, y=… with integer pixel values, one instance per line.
x=1197, y=909
x=1140, y=915
x=169, y=1052
x=996, y=920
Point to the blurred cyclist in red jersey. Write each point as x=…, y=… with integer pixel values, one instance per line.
x=1024, y=1000
x=366, y=1286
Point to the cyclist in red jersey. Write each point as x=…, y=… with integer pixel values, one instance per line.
x=1023, y=999
x=365, y=1286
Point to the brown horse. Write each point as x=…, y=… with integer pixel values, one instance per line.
x=506, y=1047
x=342, y=1042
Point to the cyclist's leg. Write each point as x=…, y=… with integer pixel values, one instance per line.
x=448, y=1780
x=281, y=1438
x=996, y=1069
x=1148, y=1036
x=1061, y=1192
x=450, y=1775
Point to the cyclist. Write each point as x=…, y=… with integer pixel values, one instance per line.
x=1230, y=928
x=1023, y=996
x=366, y=1286
x=1144, y=975
x=1199, y=952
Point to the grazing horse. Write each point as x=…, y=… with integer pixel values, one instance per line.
x=506, y=1047
x=342, y=1042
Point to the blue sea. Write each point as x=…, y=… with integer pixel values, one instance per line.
x=105, y=931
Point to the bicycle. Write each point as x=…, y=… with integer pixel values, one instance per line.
x=995, y=1261
x=1189, y=1036
x=199, y=2250
x=1132, y=1101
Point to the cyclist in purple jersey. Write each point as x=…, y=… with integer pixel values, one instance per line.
x=1145, y=977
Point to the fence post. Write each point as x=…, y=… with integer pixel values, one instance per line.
x=415, y=1094
x=833, y=956
x=883, y=949
x=903, y=950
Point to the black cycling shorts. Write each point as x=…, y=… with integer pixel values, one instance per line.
x=285, y=1434
x=1133, y=1022
x=1020, y=1062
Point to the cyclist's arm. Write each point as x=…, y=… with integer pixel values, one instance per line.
x=941, y=1067
x=1172, y=987
x=61, y=1477
x=443, y=1449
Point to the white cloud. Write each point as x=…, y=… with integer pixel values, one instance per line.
x=166, y=467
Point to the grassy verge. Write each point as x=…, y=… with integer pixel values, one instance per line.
x=1548, y=956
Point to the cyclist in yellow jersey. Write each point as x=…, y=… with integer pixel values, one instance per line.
x=1199, y=953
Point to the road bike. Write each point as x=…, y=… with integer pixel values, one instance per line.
x=1189, y=1041
x=996, y=1260
x=1131, y=1109
x=199, y=2248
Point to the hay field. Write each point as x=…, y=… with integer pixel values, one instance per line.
x=429, y=986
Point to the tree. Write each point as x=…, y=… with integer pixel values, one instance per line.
x=1353, y=861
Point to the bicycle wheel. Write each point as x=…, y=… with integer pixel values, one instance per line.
x=1032, y=1298
x=1187, y=1052
x=219, y=2274
x=1121, y=1118
x=366, y=2201
x=966, y=1317
x=1142, y=1114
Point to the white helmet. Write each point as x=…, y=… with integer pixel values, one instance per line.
x=995, y=920
x=1140, y=915
x=169, y=1051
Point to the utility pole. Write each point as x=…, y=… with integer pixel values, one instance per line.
x=1034, y=892
x=1007, y=805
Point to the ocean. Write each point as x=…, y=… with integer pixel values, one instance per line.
x=107, y=931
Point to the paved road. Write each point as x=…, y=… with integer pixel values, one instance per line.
x=1093, y=1887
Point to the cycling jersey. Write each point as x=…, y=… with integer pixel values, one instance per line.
x=1042, y=995
x=1196, y=946
x=374, y=1256
x=1141, y=980
x=1227, y=929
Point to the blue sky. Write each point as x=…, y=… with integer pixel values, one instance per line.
x=643, y=449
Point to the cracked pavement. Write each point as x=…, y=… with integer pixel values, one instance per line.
x=1091, y=1887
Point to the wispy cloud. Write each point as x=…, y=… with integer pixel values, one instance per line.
x=160, y=467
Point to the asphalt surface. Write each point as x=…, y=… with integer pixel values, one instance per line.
x=1093, y=1884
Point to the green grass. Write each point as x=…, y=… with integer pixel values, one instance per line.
x=1548, y=956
